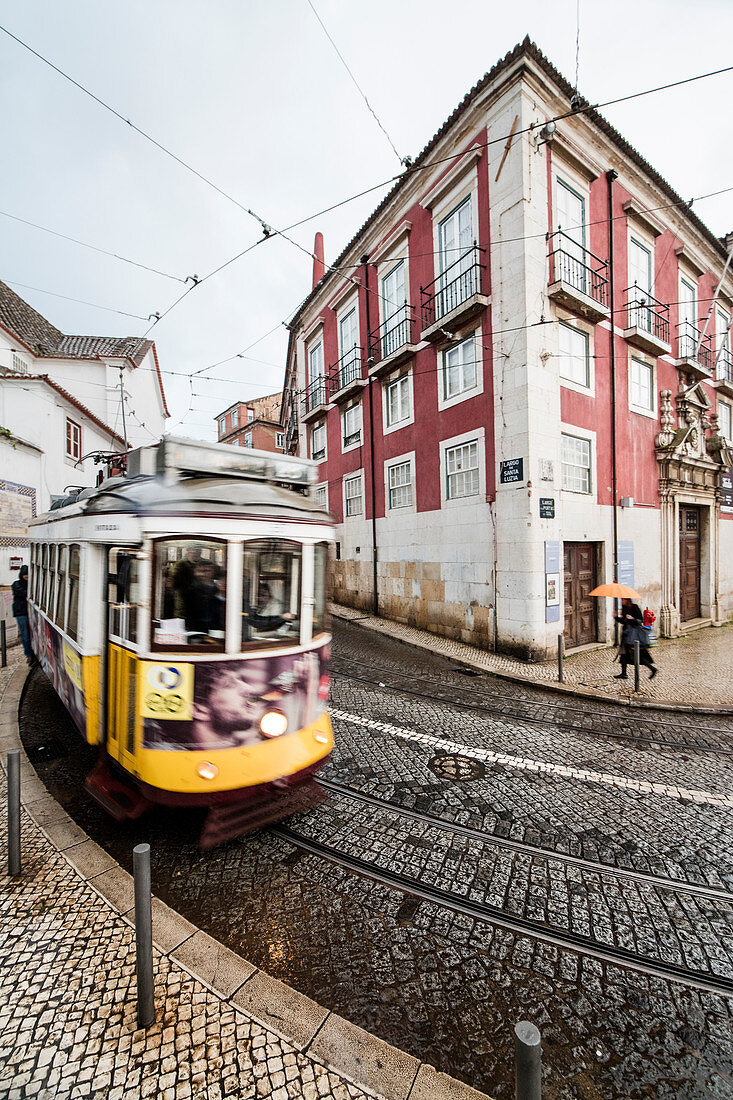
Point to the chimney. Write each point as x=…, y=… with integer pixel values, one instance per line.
x=319, y=267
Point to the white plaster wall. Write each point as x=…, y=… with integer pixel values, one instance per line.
x=726, y=568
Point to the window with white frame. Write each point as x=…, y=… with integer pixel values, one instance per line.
x=315, y=362
x=348, y=348
x=353, y=497
x=725, y=420
x=248, y=439
x=574, y=355
x=642, y=385
x=722, y=346
x=351, y=422
x=640, y=284
x=320, y=496
x=19, y=365
x=688, y=318
x=399, y=481
x=570, y=258
x=235, y=418
x=394, y=310
x=280, y=439
x=459, y=274
x=576, y=464
x=318, y=441
x=397, y=400
x=461, y=470
x=459, y=368
x=250, y=415
x=73, y=439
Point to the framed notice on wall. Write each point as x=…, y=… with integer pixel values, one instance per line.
x=726, y=485
x=552, y=590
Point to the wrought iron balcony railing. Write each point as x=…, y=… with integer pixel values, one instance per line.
x=315, y=394
x=692, y=345
x=346, y=370
x=395, y=332
x=579, y=268
x=459, y=282
x=646, y=313
x=724, y=366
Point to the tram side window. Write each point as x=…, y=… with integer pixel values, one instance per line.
x=271, y=593
x=44, y=577
x=51, y=591
x=72, y=625
x=189, y=601
x=321, y=619
x=123, y=594
x=59, y=617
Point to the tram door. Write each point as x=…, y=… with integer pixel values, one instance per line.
x=122, y=664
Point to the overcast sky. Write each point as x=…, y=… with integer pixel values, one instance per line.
x=254, y=97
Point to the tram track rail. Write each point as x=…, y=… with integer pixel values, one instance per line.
x=705, y=981
x=711, y=893
x=519, y=710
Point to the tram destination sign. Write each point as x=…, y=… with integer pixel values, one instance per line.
x=511, y=470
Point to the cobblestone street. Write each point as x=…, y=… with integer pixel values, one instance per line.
x=488, y=853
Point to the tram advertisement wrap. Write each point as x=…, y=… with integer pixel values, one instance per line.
x=62, y=665
x=219, y=705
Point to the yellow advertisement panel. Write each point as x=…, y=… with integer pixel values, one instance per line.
x=166, y=691
x=72, y=664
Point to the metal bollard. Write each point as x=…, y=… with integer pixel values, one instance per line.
x=143, y=936
x=13, y=769
x=636, y=666
x=560, y=655
x=3, y=646
x=527, y=1061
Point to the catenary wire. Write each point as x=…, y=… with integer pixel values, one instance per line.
x=80, y=301
x=355, y=82
x=93, y=247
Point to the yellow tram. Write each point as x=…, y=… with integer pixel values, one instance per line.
x=180, y=613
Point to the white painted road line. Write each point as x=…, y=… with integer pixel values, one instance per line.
x=666, y=790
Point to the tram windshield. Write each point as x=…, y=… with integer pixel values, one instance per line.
x=190, y=593
x=271, y=580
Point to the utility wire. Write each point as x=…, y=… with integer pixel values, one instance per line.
x=402, y=160
x=80, y=301
x=93, y=247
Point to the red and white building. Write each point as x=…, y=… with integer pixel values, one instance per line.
x=518, y=382
x=253, y=424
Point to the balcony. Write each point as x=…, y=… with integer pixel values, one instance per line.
x=315, y=399
x=345, y=376
x=578, y=278
x=393, y=342
x=455, y=296
x=724, y=371
x=694, y=351
x=648, y=322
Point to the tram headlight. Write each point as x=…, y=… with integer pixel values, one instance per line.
x=207, y=770
x=273, y=724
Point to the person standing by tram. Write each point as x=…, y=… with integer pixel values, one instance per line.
x=20, y=611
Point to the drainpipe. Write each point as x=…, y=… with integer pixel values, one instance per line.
x=611, y=175
x=375, y=601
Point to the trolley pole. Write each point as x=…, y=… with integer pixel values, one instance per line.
x=560, y=655
x=636, y=666
x=528, y=1061
x=143, y=936
x=13, y=771
x=3, y=646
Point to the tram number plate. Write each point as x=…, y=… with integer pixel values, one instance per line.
x=167, y=691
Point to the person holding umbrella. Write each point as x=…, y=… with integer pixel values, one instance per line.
x=632, y=628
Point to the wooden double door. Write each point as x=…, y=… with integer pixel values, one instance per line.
x=581, y=610
x=690, y=521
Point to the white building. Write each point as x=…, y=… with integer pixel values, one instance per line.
x=61, y=401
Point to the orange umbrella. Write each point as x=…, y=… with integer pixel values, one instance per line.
x=619, y=591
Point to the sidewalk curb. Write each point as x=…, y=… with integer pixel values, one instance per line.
x=546, y=685
x=327, y=1039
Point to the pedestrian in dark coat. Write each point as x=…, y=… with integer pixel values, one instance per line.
x=633, y=630
x=20, y=611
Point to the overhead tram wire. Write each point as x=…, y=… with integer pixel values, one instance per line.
x=93, y=247
x=268, y=229
x=79, y=301
x=402, y=160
